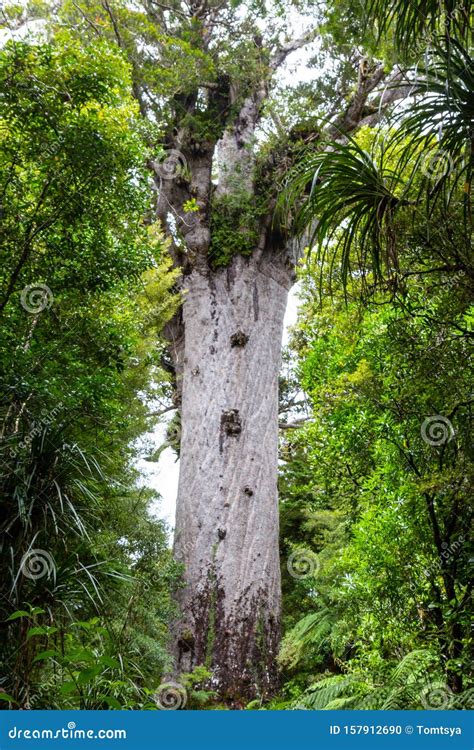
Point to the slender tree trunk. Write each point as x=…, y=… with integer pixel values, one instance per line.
x=227, y=508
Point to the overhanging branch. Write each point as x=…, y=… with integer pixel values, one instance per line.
x=293, y=425
x=281, y=53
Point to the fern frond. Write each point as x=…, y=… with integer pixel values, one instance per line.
x=319, y=695
x=411, y=667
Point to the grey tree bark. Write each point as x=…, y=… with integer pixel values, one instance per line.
x=226, y=344
x=227, y=509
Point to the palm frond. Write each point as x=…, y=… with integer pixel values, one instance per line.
x=346, y=198
x=412, y=21
x=352, y=195
x=445, y=103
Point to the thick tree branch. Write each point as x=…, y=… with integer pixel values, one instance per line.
x=279, y=56
x=161, y=412
x=293, y=425
x=351, y=117
x=364, y=110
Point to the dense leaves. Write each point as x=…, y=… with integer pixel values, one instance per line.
x=378, y=484
x=78, y=333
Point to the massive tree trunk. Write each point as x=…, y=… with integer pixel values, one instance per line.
x=225, y=344
x=227, y=510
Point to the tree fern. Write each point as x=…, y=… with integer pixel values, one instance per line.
x=312, y=631
x=415, y=683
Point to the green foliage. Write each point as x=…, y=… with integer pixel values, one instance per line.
x=199, y=696
x=364, y=190
x=415, y=683
x=234, y=227
x=384, y=348
x=415, y=21
x=349, y=186
x=377, y=509
x=190, y=206
x=85, y=288
x=84, y=668
x=385, y=507
x=69, y=148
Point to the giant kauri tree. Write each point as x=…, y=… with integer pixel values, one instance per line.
x=203, y=74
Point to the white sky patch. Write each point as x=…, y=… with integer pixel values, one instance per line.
x=161, y=475
x=34, y=31
x=291, y=315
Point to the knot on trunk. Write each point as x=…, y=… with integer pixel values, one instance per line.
x=186, y=642
x=230, y=425
x=238, y=339
x=230, y=422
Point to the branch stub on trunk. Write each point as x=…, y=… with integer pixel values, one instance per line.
x=238, y=340
x=230, y=422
